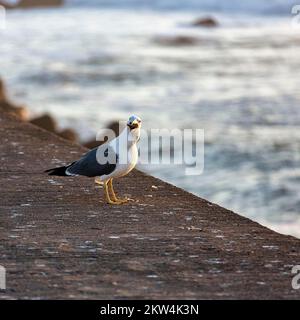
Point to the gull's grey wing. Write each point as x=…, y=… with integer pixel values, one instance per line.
x=89, y=166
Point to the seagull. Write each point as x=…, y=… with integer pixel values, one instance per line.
x=111, y=160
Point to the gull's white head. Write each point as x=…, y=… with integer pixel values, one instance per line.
x=134, y=122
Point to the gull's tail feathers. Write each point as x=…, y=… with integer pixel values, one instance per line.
x=59, y=171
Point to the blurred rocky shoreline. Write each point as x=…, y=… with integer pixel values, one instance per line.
x=47, y=121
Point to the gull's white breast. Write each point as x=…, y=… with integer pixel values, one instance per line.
x=124, y=168
x=125, y=162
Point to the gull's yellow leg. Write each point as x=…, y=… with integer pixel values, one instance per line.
x=114, y=197
x=106, y=192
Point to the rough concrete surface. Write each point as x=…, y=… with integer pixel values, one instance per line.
x=59, y=239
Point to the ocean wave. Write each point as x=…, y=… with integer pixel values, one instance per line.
x=93, y=77
x=275, y=7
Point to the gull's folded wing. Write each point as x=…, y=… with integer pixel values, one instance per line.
x=90, y=166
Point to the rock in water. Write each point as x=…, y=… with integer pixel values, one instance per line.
x=177, y=41
x=7, y=106
x=32, y=4
x=69, y=134
x=39, y=3
x=114, y=126
x=46, y=122
x=2, y=91
x=20, y=112
x=205, y=22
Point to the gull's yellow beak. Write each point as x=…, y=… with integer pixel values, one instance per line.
x=133, y=123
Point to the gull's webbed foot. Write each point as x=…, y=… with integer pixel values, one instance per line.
x=122, y=200
x=113, y=202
